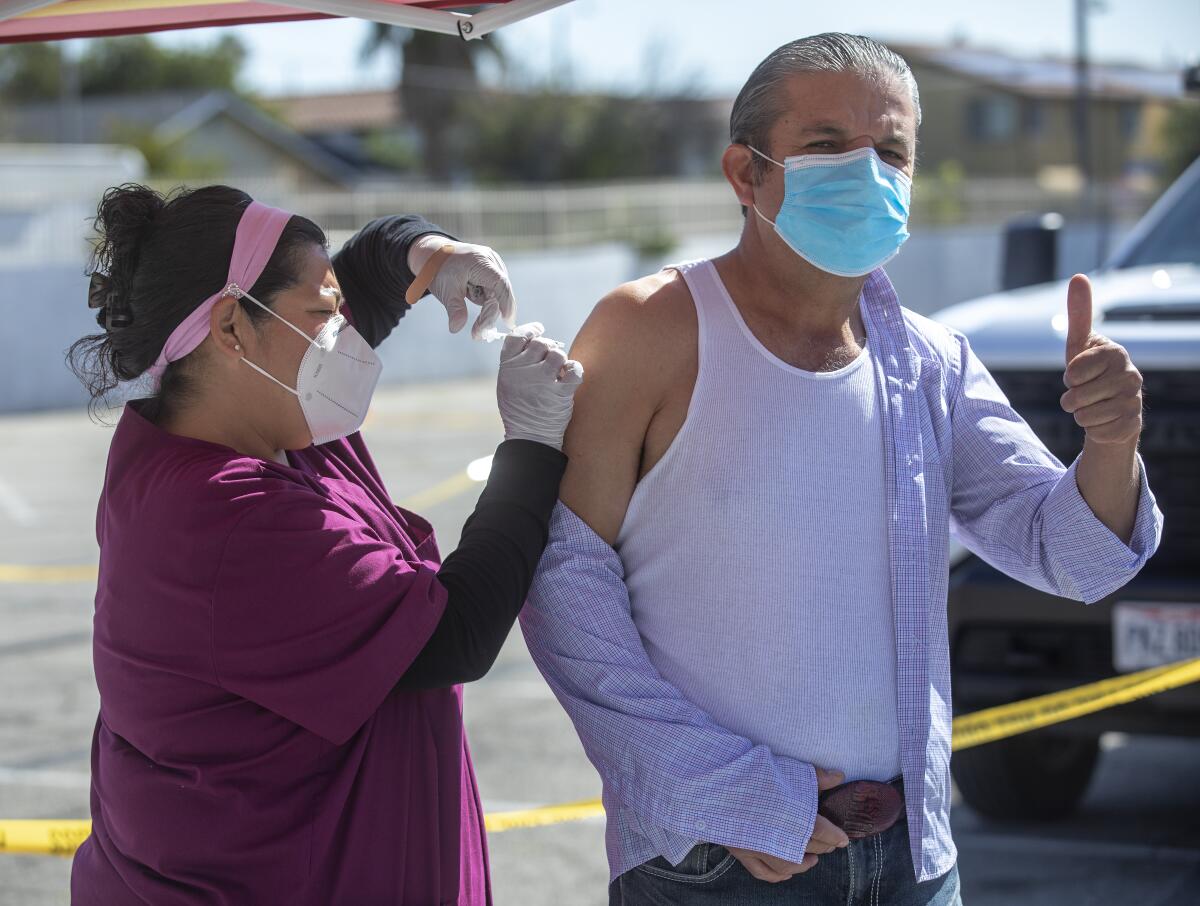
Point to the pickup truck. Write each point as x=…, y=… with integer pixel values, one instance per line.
x=1010, y=642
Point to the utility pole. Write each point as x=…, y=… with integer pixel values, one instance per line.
x=1082, y=146
x=1095, y=206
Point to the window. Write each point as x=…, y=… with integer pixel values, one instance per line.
x=1129, y=119
x=1173, y=236
x=1033, y=118
x=991, y=119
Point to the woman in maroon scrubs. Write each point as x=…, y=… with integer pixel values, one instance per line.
x=277, y=645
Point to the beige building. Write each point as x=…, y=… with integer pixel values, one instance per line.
x=1002, y=116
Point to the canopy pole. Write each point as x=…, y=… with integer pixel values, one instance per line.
x=440, y=21
x=487, y=21
x=445, y=22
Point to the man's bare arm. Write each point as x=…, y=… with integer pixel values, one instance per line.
x=635, y=348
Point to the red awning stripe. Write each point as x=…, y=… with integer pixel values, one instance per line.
x=124, y=22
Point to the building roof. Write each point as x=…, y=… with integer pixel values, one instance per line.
x=1047, y=77
x=169, y=116
x=346, y=111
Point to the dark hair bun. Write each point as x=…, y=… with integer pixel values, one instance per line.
x=124, y=219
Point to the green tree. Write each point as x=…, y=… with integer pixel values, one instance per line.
x=437, y=76
x=165, y=158
x=126, y=65
x=552, y=135
x=138, y=64
x=393, y=151
x=31, y=72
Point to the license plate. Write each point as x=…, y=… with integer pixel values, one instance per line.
x=1149, y=635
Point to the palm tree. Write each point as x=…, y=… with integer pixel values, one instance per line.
x=436, y=74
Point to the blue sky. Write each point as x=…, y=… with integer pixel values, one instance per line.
x=713, y=45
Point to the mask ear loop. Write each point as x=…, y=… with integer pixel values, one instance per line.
x=764, y=157
x=238, y=293
x=755, y=204
x=762, y=215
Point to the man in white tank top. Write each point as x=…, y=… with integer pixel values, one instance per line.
x=743, y=600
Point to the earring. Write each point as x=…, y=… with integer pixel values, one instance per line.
x=238, y=348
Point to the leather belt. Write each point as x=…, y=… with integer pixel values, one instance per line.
x=863, y=808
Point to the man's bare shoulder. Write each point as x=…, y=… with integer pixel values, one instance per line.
x=639, y=322
x=658, y=295
x=636, y=348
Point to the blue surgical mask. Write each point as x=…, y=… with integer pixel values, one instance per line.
x=844, y=213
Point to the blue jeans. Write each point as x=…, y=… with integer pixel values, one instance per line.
x=874, y=871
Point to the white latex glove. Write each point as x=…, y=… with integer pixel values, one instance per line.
x=536, y=387
x=472, y=273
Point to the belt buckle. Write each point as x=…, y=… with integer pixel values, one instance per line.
x=862, y=808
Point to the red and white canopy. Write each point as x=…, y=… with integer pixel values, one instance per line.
x=51, y=20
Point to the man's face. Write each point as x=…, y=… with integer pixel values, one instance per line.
x=835, y=112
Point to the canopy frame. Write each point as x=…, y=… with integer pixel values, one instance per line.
x=469, y=27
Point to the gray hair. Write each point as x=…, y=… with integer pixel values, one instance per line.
x=758, y=104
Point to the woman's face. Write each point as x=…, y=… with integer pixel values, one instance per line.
x=277, y=349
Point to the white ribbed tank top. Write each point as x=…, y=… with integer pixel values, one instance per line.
x=756, y=550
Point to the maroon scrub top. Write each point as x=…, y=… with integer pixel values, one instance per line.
x=252, y=620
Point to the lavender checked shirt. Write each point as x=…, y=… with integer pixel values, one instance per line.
x=959, y=461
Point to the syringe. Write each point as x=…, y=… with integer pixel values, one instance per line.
x=491, y=335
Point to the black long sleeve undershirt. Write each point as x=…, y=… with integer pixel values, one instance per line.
x=372, y=270
x=488, y=576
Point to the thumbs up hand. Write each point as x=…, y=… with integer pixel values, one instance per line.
x=1105, y=394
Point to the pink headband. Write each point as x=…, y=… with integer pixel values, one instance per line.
x=258, y=232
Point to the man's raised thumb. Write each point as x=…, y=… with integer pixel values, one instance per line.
x=1079, y=315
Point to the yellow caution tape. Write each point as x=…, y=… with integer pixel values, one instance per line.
x=62, y=838
x=1034, y=713
x=540, y=817
x=54, y=838
x=36, y=575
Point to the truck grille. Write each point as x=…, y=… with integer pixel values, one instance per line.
x=1170, y=446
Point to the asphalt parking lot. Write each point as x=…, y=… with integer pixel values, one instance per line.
x=1135, y=841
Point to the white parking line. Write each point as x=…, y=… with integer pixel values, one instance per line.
x=15, y=506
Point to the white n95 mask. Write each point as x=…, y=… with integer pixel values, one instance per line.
x=336, y=379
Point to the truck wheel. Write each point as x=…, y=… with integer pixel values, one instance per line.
x=1035, y=776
